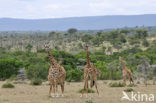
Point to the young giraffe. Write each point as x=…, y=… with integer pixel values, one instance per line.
x=126, y=72
x=90, y=72
x=98, y=71
x=56, y=74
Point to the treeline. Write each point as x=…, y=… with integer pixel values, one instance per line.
x=73, y=40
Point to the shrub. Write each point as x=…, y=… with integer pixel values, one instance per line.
x=85, y=90
x=36, y=82
x=13, y=77
x=8, y=85
x=37, y=71
x=132, y=85
x=9, y=67
x=89, y=101
x=145, y=43
x=128, y=90
x=74, y=75
x=116, y=84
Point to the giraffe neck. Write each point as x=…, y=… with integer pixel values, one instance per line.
x=123, y=65
x=52, y=60
x=88, y=59
x=60, y=62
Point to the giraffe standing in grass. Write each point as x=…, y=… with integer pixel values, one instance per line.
x=56, y=75
x=126, y=72
x=90, y=72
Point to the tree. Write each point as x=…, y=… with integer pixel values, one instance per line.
x=125, y=31
x=87, y=38
x=72, y=30
x=29, y=47
x=145, y=43
x=118, y=46
x=114, y=34
x=103, y=49
x=97, y=41
x=51, y=34
x=141, y=33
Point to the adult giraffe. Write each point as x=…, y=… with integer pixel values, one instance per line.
x=90, y=72
x=56, y=74
x=126, y=72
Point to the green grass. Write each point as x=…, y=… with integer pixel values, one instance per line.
x=36, y=82
x=89, y=101
x=116, y=84
x=132, y=85
x=85, y=90
x=105, y=82
x=128, y=90
x=8, y=85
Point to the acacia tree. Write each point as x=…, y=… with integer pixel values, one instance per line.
x=87, y=38
x=141, y=33
x=72, y=30
x=29, y=47
x=125, y=31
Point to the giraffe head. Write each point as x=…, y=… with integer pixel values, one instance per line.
x=120, y=58
x=86, y=47
x=46, y=46
x=61, y=59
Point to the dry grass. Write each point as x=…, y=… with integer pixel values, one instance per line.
x=26, y=93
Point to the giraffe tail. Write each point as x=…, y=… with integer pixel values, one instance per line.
x=92, y=83
x=131, y=77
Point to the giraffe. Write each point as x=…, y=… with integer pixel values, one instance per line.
x=56, y=75
x=90, y=72
x=126, y=72
x=99, y=72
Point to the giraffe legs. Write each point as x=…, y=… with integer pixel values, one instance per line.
x=50, y=89
x=62, y=89
x=56, y=86
x=124, y=79
x=96, y=88
x=85, y=88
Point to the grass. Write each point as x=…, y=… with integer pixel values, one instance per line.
x=128, y=90
x=116, y=84
x=85, y=90
x=105, y=82
x=89, y=101
x=8, y=85
x=132, y=85
x=36, y=82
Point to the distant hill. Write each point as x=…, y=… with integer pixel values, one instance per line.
x=81, y=23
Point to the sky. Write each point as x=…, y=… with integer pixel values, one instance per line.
x=36, y=9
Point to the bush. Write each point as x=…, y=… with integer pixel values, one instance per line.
x=74, y=75
x=89, y=101
x=128, y=90
x=13, y=77
x=37, y=71
x=9, y=67
x=145, y=43
x=8, y=85
x=36, y=82
x=85, y=90
x=132, y=85
x=116, y=84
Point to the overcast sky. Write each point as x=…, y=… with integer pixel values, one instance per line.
x=34, y=9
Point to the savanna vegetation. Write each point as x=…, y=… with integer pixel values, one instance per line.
x=27, y=50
